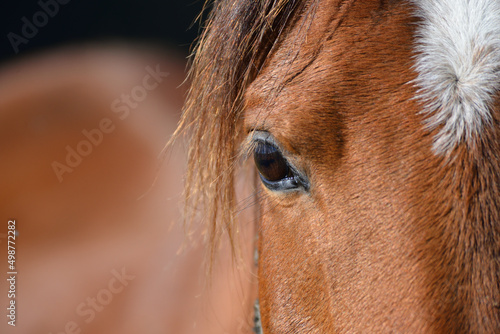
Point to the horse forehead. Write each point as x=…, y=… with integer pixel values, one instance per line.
x=304, y=73
x=457, y=62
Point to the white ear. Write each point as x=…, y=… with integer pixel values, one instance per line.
x=458, y=66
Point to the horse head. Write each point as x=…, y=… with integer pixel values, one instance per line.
x=373, y=126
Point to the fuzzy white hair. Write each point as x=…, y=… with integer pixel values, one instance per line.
x=458, y=66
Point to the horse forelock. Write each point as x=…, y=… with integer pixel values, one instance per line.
x=458, y=65
x=230, y=52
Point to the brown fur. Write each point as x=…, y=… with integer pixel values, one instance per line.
x=390, y=237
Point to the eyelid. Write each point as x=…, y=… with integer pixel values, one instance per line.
x=266, y=137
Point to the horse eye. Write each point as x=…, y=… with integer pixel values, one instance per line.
x=276, y=172
x=270, y=162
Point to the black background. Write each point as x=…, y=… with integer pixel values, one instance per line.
x=170, y=23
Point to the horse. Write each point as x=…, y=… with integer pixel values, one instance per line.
x=96, y=204
x=370, y=133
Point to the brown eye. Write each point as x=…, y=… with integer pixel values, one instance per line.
x=276, y=172
x=270, y=162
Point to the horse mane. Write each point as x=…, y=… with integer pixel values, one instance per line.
x=230, y=52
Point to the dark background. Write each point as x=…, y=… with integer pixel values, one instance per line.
x=170, y=23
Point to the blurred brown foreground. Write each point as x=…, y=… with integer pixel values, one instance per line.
x=99, y=244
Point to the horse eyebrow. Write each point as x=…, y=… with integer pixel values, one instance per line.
x=458, y=67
